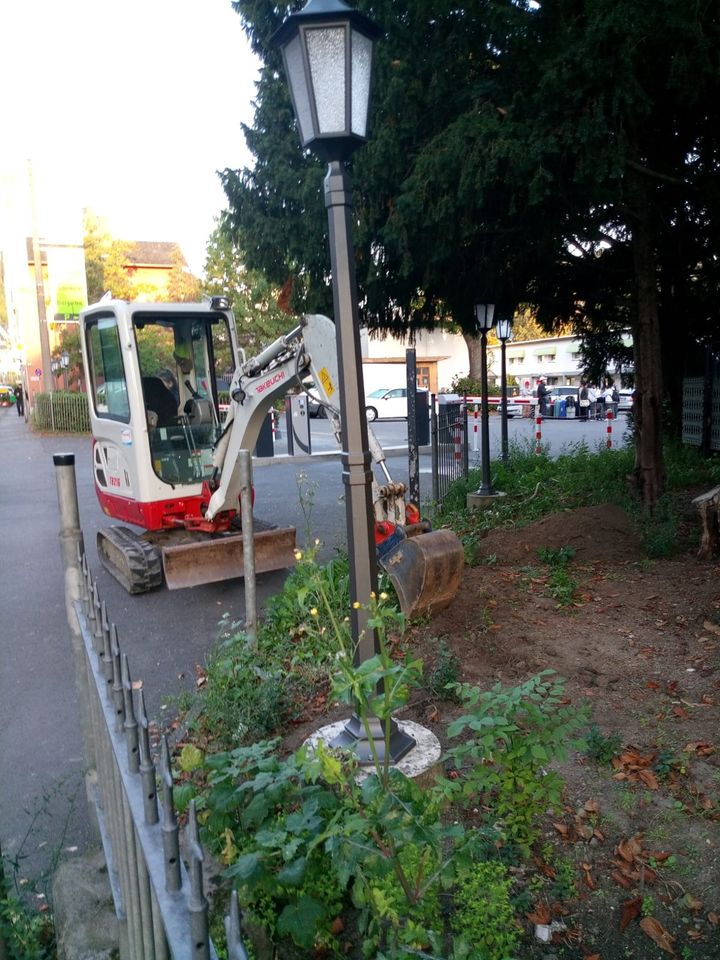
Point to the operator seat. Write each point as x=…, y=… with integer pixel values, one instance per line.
x=160, y=399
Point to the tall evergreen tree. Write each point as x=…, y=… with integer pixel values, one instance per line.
x=562, y=154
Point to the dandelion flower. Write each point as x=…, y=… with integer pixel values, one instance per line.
x=383, y=596
x=298, y=555
x=357, y=605
x=314, y=612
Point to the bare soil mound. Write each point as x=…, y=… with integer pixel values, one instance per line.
x=640, y=640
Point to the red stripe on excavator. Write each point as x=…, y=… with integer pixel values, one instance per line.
x=157, y=515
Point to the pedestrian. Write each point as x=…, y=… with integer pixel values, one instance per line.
x=542, y=396
x=19, y=399
x=593, y=397
x=584, y=400
x=609, y=395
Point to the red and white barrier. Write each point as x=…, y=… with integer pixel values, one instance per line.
x=475, y=429
x=457, y=440
x=538, y=433
x=609, y=429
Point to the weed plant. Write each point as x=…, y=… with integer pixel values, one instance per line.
x=252, y=691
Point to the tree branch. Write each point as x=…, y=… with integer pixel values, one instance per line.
x=655, y=174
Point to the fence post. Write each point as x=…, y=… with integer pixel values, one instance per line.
x=538, y=434
x=245, y=464
x=465, y=446
x=434, y=450
x=609, y=429
x=72, y=549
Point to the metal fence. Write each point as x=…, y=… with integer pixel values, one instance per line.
x=449, y=446
x=159, y=901
x=693, y=412
x=61, y=412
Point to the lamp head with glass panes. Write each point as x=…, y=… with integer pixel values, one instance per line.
x=327, y=48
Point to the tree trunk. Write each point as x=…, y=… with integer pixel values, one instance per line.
x=472, y=341
x=649, y=469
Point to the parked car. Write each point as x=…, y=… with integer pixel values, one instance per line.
x=514, y=407
x=7, y=395
x=386, y=404
x=556, y=396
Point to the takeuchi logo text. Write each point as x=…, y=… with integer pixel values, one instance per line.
x=270, y=382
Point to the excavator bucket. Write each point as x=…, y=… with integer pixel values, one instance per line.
x=426, y=571
x=222, y=558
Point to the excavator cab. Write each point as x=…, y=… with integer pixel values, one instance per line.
x=155, y=411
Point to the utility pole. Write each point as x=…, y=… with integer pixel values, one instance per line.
x=48, y=384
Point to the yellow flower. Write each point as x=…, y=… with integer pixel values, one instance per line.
x=357, y=605
x=314, y=612
x=372, y=594
x=298, y=555
x=383, y=596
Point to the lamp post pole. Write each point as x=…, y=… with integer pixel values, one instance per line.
x=356, y=460
x=484, y=315
x=503, y=329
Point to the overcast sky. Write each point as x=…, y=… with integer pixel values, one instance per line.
x=129, y=108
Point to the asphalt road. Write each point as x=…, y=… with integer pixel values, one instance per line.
x=165, y=634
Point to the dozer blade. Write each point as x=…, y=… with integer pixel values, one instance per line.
x=426, y=571
x=207, y=561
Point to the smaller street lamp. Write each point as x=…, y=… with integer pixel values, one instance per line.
x=503, y=329
x=484, y=315
x=65, y=362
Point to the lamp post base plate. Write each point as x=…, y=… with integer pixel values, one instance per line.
x=482, y=500
x=421, y=763
x=353, y=737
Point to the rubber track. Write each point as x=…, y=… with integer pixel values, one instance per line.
x=141, y=568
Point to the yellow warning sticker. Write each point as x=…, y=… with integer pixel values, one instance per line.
x=326, y=380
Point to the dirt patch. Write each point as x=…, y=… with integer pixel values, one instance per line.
x=639, y=640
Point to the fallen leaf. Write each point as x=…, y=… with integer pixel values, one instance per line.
x=694, y=935
x=713, y=918
x=587, y=877
x=692, y=903
x=629, y=849
x=658, y=934
x=680, y=712
x=434, y=715
x=540, y=915
x=630, y=911
x=711, y=627
x=649, y=779
x=701, y=748
x=621, y=880
x=591, y=806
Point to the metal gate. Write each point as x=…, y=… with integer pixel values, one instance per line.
x=449, y=446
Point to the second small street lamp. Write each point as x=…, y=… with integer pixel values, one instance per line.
x=327, y=49
x=503, y=330
x=484, y=313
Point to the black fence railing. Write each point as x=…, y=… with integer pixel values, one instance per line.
x=449, y=440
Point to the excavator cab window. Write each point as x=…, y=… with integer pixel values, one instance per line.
x=183, y=423
x=109, y=389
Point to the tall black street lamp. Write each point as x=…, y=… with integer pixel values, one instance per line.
x=327, y=49
x=484, y=316
x=503, y=330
